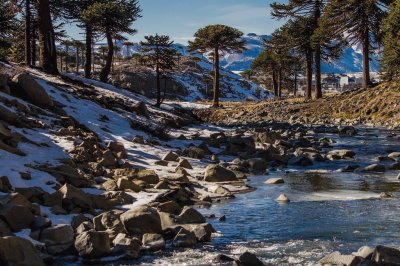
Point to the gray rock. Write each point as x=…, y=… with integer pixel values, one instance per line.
x=364, y=252
x=250, y=259
x=153, y=242
x=184, y=163
x=92, y=244
x=169, y=207
x=336, y=258
x=57, y=238
x=184, y=238
x=283, y=199
x=142, y=220
x=191, y=216
x=386, y=256
x=375, y=168
x=274, y=181
x=217, y=173
x=17, y=217
x=257, y=164
x=33, y=91
x=76, y=196
x=170, y=157
x=109, y=222
x=127, y=245
x=148, y=176
x=18, y=251
x=340, y=154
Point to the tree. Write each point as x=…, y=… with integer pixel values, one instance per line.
x=79, y=47
x=128, y=45
x=265, y=63
x=391, y=40
x=47, y=44
x=359, y=21
x=218, y=39
x=160, y=55
x=311, y=9
x=7, y=25
x=111, y=18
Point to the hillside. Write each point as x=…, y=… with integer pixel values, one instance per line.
x=378, y=106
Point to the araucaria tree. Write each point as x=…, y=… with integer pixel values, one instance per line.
x=6, y=22
x=111, y=18
x=391, y=47
x=217, y=39
x=159, y=54
x=311, y=9
x=360, y=22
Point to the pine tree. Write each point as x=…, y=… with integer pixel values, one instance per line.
x=391, y=40
x=111, y=18
x=311, y=9
x=217, y=39
x=7, y=25
x=160, y=55
x=360, y=22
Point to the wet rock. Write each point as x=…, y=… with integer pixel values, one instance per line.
x=17, y=217
x=170, y=157
x=302, y=160
x=217, y=173
x=191, y=216
x=347, y=131
x=249, y=259
x=142, y=220
x=336, y=258
x=184, y=164
x=127, y=245
x=75, y=196
x=395, y=155
x=153, y=242
x=274, y=181
x=57, y=238
x=18, y=251
x=33, y=91
x=92, y=244
x=202, y=232
x=375, y=168
x=221, y=258
x=364, y=252
x=340, y=154
x=394, y=166
x=386, y=256
x=283, y=199
x=349, y=168
x=184, y=238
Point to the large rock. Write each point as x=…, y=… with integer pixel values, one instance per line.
x=153, y=242
x=217, y=173
x=142, y=220
x=170, y=157
x=184, y=238
x=347, y=131
x=184, y=164
x=336, y=258
x=375, y=168
x=395, y=155
x=76, y=196
x=126, y=184
x=5, y=133
x=17, y=217
x=283, y=199
x=148, y=176
x=169, y=207
x=57, y=238
x=92, y=244
x=18, y=251
x=195, y=153
x=33, y=91
x=109, y=222
x=386, y=256
x=202, y=232
x=274, y=181
x=340, y=154
x=130, y=247
x=249, y=259
x=4, y=84
x=191, y=216
x=257, y=164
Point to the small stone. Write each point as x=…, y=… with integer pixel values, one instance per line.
x=170, y=157
x=138, y=140
x=250, y=259
x=153, y=242
x=283, y=199
x=26, y=176
x=184, y=163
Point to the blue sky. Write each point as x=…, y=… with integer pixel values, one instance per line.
x=181, y=18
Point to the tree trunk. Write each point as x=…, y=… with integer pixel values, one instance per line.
x=77, y=59
x=66, y=58
x=318, y=82
x=216, y=78
x=48, y=53
x=280, y=83
x=105, y=72
x=366, y=74
x=158, y=104
x=295, y=84
x=28, y=30
x=33, y=47
x=275, y=83
x=308, y=74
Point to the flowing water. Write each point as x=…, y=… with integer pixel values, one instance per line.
x=329, y=211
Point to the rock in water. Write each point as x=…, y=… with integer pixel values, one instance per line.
x=283, y=199
x=274, y=181
x=386, y=256
x=93, y=244
x=185, y=238
x=18, y=251
x=336, y=258
x=191, y=216
x=129, y=246
x=217, y=173
x=33, y=91
x=250, y=259
x=375, y=168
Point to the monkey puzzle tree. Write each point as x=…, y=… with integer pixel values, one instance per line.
x=160, y=55
x=112, y=18
x=7, y=24
x=360, y=22
x=217, y=39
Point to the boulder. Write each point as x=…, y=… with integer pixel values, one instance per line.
x=40, y=223
x=141, y=109
x=107, y=159
x=168, y=220
x=142, y=220
x=301, y=160
x=274, y=181
x=195, y=153
x=33, y=91
x=126, y=184
x=153, y=242
x=395, y=155
x=283, y=199
x=364, y=252
x=4, y=84
x=217, y=173
x=249, y=259
x=148, y=176
x=336, y=258
x=109, y=222
x=161, y=163
x=162, y=185
x=84, y=227
x=92, y=244
x=202, y=232
x=347, y=131
x=76, y=196
x=5, y=133
x=169, y=207
x=130, y=247
x=57, y=238
x=184, y=164
x=17, y=217
x=386, y=256
x=5, y=185
x=340, y=154
x=110, y=185
x=191, y=216
x=18, y=251
x=375, y=168
x=138, y=140
x=170, y=157
x=118, y=148
x=78, y=220
x=394, y=166
x=257, y=164
x=184, y=238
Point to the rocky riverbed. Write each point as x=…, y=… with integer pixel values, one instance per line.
x=91, y=173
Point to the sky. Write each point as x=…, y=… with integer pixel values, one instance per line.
x=180, y=19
